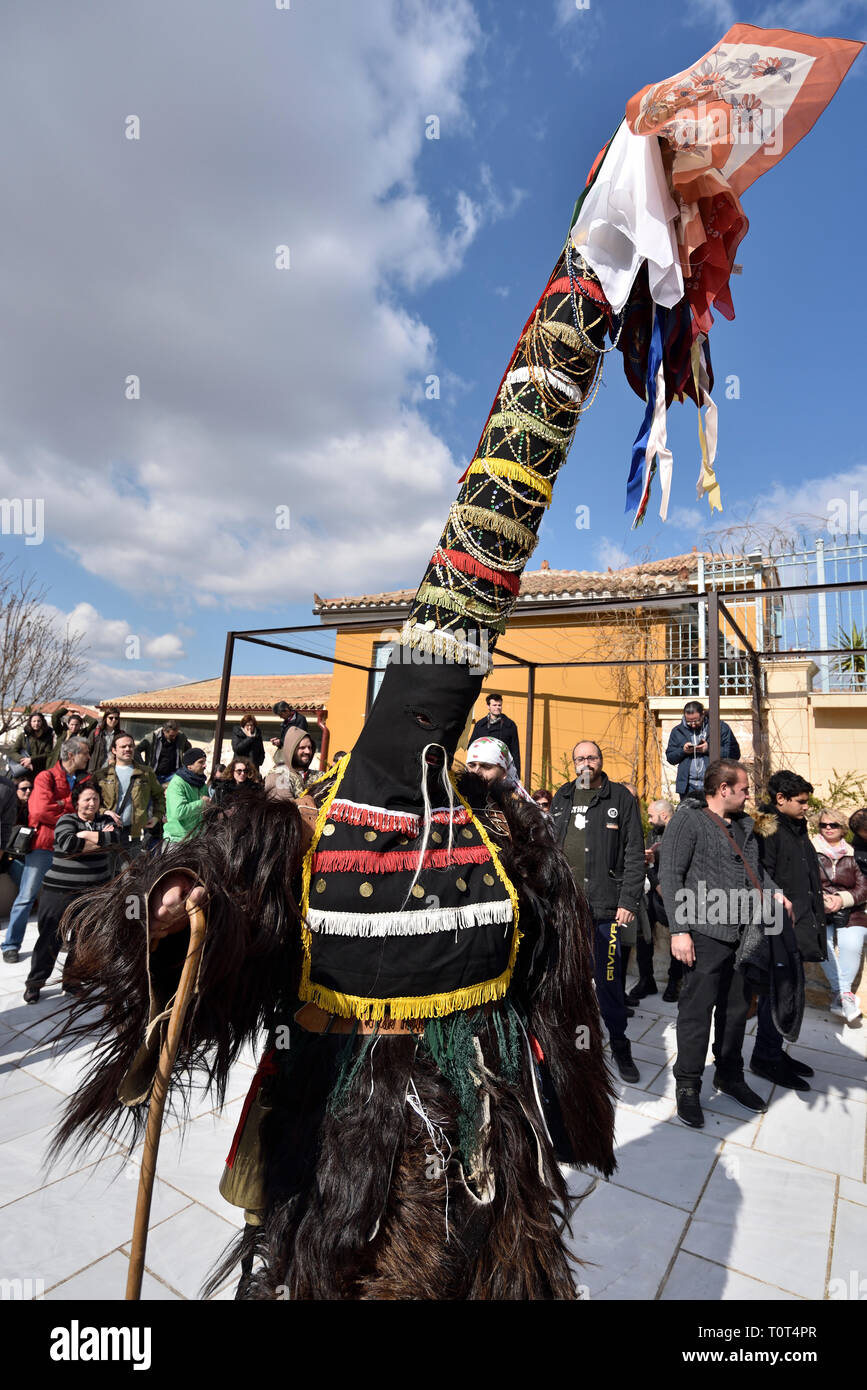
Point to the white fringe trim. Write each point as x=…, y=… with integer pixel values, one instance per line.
x=555, y=379
x=443, y=644
x=438, y=919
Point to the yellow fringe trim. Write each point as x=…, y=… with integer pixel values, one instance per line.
x=505, y=468
x=455, y=602
x=407, y=1006
x=307, y=873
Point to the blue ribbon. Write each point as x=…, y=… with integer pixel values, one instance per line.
x=635, y=481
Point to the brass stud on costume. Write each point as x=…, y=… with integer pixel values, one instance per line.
x=461, y=883
x=370, y=834
x=467, y=834
x=489, y=880
x=418, y=891
x=329, y=828
x=320, y=885
x=366, y=890
x=436, y=837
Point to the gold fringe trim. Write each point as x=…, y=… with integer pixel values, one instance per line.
x=307, y=873
x=505, y=468
x=503, y=525
x=518, y=419
x=454, y=600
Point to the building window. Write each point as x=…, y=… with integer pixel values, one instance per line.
x=381, y=655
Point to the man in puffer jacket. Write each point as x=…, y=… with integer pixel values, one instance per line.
x=688, y=749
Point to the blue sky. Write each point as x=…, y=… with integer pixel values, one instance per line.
x=304, y=387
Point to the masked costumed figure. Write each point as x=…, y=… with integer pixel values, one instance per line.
x=411, y=942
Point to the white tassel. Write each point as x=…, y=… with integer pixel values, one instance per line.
x=414, y=923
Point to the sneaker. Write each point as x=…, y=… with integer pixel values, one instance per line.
x=742, y=1093
x=781, y=1072
x=836, y=1007
x=10, y=955
x=689, y=1110
x=622, y=1054
x=799, y=1068
x=672, y=992
x=850, y=1007
x=641, y=991
x=31, y=994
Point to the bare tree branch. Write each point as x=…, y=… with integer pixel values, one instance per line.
x=36, y=660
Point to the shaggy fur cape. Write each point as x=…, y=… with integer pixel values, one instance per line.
x=404, y=1166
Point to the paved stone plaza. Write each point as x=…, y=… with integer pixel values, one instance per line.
x=756, y=1207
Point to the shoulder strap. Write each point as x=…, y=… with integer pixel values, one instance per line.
x=718, y=820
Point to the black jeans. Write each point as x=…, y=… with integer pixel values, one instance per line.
x=609, y=978
x=53, y=903
x=711, y=987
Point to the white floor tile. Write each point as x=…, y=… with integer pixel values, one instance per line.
x=193, y=1163
x=13, y=1080
x=854, y=1191
x=63, y=1228
x=816, y=1129
x=183, y=1250
x=105, y=1281
x=660, y=1160
x=830, y=1034
x=627, y=1240
x=849, y=1259
x=693, y=1280
x=28, y=1110
x=24, y=1169
x=654, y=1107
x=771, y=1220
x=840, y=1063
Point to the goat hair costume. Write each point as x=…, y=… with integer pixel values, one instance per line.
x=421, y=966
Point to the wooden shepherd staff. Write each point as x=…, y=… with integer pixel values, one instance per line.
x=165, y=1067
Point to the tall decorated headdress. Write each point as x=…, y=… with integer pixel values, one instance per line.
x=409, y=912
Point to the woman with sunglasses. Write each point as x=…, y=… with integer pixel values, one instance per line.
x=240, y=772
x=844, y=890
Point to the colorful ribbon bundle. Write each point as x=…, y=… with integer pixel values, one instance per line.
x=660, y=219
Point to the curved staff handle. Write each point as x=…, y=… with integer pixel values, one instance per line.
x=165, y=1066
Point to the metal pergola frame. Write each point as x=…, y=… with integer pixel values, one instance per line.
x=716, y=609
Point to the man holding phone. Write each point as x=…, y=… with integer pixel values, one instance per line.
x=689, y=750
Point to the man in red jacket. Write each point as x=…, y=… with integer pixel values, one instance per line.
x=49, y=800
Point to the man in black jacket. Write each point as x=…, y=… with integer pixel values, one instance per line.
x=598, y=824
x=495, y=724
x=708, y=865
x=790, y=859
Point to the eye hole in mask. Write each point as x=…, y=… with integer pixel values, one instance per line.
x=421, y=719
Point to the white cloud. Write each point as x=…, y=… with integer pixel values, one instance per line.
x=609, y=555
x=113, y=653
x=259, y=387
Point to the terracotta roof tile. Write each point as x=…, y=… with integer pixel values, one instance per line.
x=254, y=693
x=671, y=573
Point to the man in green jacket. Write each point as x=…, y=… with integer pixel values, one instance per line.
x=133, y=791
x=186, y=795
